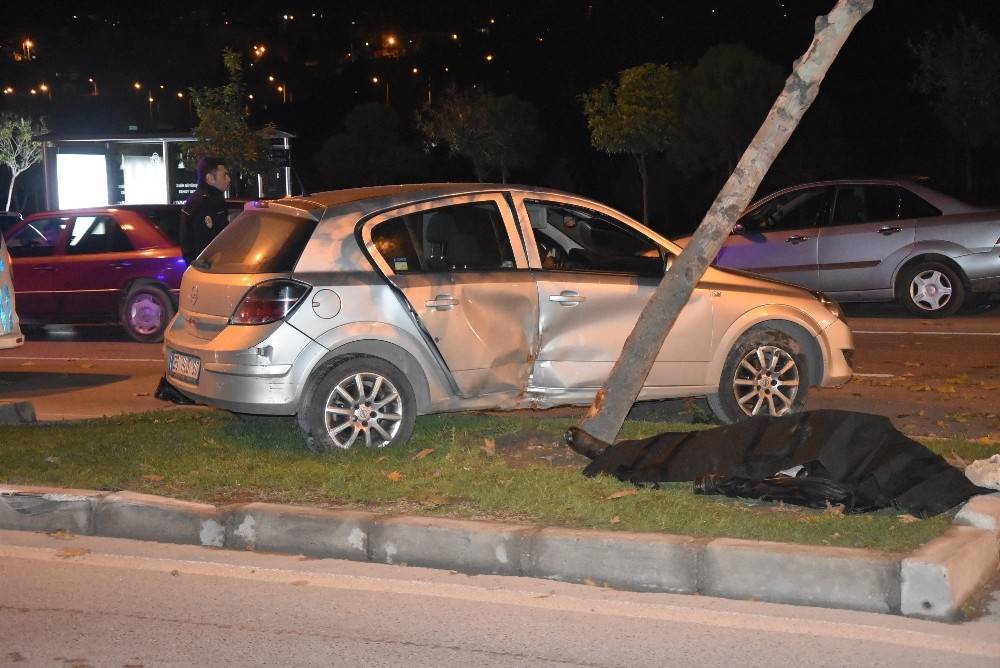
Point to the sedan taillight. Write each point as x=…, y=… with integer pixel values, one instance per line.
x=268, y=302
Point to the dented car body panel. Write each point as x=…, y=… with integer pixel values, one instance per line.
x=484, y=296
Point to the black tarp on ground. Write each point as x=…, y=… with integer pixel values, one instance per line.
x=880, y=465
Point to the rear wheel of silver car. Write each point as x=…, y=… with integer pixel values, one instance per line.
x=766, y=373
x=360, y=402
x=931, y=290
x=145, y=313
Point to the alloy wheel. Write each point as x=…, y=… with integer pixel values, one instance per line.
x=766, y=382
x=363, y=406
x=145, y=314
x=930, y=290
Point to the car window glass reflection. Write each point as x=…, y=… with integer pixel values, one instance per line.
x=794, y=210
x=96, y=234
x=571, y=239
x=451, y=238
x=38, y=238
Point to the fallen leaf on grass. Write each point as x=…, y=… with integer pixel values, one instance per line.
x=616, y=519
x=175, y=572
x=835, y=510
x=956, y=460
x=61, y=534
x=152, y=477
x=907, y=518
x=919, y=388
x=70, y=552
x=437, y=473
x=380, y=459
x=52, y=460
x=423, y=453
x=946, y=389
x=489, y=446
x=436, y=500
x=395, y=476
x=622, y=493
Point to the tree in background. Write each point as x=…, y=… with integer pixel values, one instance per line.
x=222, y=128
x=18, y=151
x=370, y=151
x=637, y=117
x=960, y=72
x=498, y=133
x=721, y=103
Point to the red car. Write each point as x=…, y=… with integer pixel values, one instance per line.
x=119, y=264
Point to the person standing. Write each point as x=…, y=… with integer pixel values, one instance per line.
x=204, y=214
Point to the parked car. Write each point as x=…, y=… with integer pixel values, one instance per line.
x=871, y=240
x=358, y=309
x=9, y=219
x=10, y=331
x=112, y=264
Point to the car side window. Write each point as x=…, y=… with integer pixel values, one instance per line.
x=37, y=238
x=866, y=204
x=795, y=210
x=914, y=206
x=572, y=239
x=96, y=234
x=462, y=237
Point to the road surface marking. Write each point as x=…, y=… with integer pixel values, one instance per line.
x=538, y=599
x=869, y=331
x=82, y=359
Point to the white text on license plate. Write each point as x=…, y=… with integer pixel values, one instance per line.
x=185, y=367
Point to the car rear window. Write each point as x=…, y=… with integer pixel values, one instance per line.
x=167, y=220
x=257, y=243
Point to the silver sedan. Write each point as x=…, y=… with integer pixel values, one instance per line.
x=356, y=310
x=871, y=240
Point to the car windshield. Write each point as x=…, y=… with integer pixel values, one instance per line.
x=257, y=242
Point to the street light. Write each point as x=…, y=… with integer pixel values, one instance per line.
x=27, y=44
x=93, y=85
x=375, y=81
x=45, y=89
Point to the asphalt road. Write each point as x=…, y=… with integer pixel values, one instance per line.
x=85, y=601
x=932, y=377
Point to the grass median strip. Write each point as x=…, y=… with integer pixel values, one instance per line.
x=471, y=466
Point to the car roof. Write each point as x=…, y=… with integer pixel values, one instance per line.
x=387, y=196
x=946, y=203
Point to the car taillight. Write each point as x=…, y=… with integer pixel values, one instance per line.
x=268, y=302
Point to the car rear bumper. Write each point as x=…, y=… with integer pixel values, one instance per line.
x=241, y=370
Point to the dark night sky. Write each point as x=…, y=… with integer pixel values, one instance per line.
x=546, y=52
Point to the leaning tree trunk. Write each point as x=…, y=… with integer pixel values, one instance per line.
x=10, y=190
x=615, y=398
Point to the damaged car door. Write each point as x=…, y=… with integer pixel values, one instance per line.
x=467, y=285
x=595, y=274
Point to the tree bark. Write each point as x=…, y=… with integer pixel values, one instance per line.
x=640, y=163
x=10, y=190
x=615, y=398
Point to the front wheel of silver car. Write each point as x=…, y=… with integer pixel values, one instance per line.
x=766, y=373
x=360, y=402
x=931, y=290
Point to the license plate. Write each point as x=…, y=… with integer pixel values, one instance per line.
x=184, y=367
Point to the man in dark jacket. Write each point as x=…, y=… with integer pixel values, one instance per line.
x=204, y=214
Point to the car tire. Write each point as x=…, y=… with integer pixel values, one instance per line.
x=930, y=290
x=766, y=373
x=340, y=414
x=145, y=313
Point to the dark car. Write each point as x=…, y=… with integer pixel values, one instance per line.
x=112, y=264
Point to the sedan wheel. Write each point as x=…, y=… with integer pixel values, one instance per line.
x=931, y=290
x=766, y=373
x=145, y=313
x=362, y=401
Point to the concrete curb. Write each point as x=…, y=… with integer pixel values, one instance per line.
x=21, y=412
x=932, y=582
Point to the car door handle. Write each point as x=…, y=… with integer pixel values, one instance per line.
x=889, y=230
x=796, y=239
x=120, y=265
x=441, y=302
x=44, y=267
x=567, y=298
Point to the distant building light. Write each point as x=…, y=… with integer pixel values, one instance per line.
x=489, y=57
x=180, y=95
x=43, y=87
x=493, y=20
x=34, y=92
x=137, y=85
x=454, y=36
x=416, y=70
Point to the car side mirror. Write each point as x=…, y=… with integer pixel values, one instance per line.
x=738, y=228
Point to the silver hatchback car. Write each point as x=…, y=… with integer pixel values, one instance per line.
x=871, y=240
x=357, y=310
